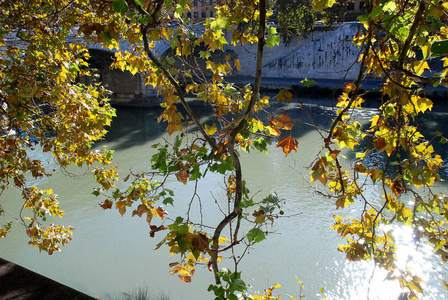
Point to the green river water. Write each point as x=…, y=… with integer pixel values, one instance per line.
x=111, y=254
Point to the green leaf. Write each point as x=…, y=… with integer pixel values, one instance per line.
x=255, y=235
x=204, y=54
x=272, y=41
x=168, y=200
x=272, y=198
x=120, y=6
x=238, y=285
x=307, y=82
x=233, y=297
x=218, y=23
x=195, y=173
x=439, y=48
x=443, y=140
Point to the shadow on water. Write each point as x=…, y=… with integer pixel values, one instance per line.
x=138, y=126
x=132, y=127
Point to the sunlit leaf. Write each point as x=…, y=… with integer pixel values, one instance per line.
x=211, y=130
x=307, y=82
x=288, y=143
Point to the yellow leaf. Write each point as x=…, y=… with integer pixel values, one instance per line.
x=210, y=129
x=237, y=64
x=426, y=50
x=420, y=66
x=222, y=240
x=321, y=4
x=284, y=95
x=166, y=33
x=260, y=219
x=171, y=128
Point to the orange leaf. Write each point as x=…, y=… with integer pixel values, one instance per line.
x=349, y=87
x=288, y=143
x=160, y=212
x=185, y=278
x=237, y=64
x=284, y=122
x=272, y=121
x=182, y=177
x=380, y=144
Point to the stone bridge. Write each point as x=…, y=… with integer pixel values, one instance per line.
x=325, y=55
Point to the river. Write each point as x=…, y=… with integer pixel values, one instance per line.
x=110, y=254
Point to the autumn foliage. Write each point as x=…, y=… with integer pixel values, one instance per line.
x=44, y=107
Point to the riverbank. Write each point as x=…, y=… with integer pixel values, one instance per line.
x=18, y=283
x=322, y=88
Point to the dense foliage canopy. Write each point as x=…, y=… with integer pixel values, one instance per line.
x=43, y=52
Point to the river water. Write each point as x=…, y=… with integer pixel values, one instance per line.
x=111, y=254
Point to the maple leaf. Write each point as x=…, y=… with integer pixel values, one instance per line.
x=272, y=122
x=284, y=122
x=288, y=143
x=121, y=206
x=341, y=202
x=397, y=188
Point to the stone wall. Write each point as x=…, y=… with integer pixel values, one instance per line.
x=324, y=54
x=320, y=55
